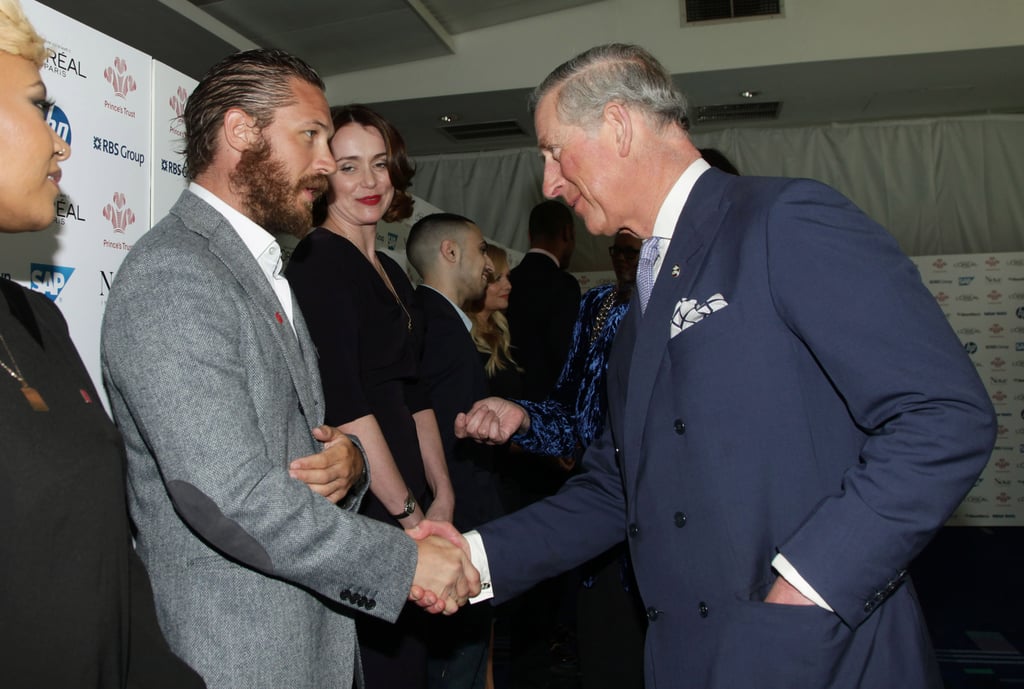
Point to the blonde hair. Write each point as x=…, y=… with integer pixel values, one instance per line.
x=17, y=37
x=491, y=334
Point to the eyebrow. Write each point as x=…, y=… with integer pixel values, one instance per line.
x=382, y=154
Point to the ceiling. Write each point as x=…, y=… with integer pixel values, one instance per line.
x=192, y=35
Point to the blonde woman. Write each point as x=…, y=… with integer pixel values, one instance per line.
x=490, y=329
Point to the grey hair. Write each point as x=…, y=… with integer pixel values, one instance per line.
x=615, y=72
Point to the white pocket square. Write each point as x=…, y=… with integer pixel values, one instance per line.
x=688, y=312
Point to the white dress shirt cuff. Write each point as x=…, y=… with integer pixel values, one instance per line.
x=789, y=573
x=478, y=556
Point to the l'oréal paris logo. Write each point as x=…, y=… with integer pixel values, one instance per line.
x=61, y=62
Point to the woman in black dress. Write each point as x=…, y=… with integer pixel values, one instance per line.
x=76, y=609
x=358, y=304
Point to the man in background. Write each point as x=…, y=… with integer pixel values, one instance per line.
x=450, y=254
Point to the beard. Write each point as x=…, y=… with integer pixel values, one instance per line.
x=269, y=199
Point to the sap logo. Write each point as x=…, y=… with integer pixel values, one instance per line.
x=119, y=79
x=118, y=213
x=50, y=280
x=970, y=347
x=60, y=62
x=59, y=122
x=119, y=150
x=173, y=167
x=964, y=281
x=66, y=210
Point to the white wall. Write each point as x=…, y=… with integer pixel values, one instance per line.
x=498, y=58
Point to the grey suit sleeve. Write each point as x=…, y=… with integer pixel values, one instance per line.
x=198, y=381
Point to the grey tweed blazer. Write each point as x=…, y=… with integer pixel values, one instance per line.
x=255, y=576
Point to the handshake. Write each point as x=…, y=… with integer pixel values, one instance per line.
x=445, y=579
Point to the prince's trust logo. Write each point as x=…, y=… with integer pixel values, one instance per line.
x=123, y=83
x=177, y=103
x=118, y=213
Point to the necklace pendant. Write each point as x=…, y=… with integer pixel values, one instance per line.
x=35, y=400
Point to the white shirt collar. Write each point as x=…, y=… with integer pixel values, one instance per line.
x=256, y=239
x=538, y=250
x=672, y=206
x=462, y=314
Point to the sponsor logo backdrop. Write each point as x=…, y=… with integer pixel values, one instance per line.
x=115, y=115
x=982, y=295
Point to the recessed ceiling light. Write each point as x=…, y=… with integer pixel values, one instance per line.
x=449, y=118
x=749, y=94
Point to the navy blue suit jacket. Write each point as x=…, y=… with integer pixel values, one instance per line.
x=827, y=411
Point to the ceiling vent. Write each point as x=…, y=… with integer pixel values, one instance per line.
x=483, y=130
x=717, y=10
x=735, y=112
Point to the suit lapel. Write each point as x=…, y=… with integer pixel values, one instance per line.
x=694, y=234
x=228, y=247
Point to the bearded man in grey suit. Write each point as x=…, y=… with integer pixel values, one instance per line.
x=213, y=381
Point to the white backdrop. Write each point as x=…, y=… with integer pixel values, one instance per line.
x=106, y=104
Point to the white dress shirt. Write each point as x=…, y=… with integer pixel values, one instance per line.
x=260, y=243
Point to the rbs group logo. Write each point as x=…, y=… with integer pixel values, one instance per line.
x=50, y=280
x=59, y=122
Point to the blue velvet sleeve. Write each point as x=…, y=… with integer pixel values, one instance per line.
x=571, y=416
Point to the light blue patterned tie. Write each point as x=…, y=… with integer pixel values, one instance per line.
x=645, y=270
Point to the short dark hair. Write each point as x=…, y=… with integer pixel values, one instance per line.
x=257, y=81
x=400, y=167
x=549, y=220
x=427, y=234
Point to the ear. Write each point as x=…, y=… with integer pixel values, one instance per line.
x=240, y=130
x=449, y=250
x=620, y=122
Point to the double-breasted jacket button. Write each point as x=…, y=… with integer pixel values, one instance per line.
x=679, y=426
x=653, y=614
x=680, y=519
x=634, y=530
x=702, y=608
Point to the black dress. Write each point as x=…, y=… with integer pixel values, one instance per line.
x=76, y=608
x=368, y=353
x=369, y=357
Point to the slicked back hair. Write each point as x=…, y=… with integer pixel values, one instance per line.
x=615, y=72
x=259, y=82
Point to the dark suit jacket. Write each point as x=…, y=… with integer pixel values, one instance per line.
x=455, y=378
x=827, y=412
x=541, y=313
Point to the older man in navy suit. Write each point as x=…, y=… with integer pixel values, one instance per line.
x=791, y=417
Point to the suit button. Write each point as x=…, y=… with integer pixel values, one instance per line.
x=371, y=604
x=653, y=614
x=680, y=426
x=703, y=609
x=344, y=595
x=634, y=530
x=680, y=519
